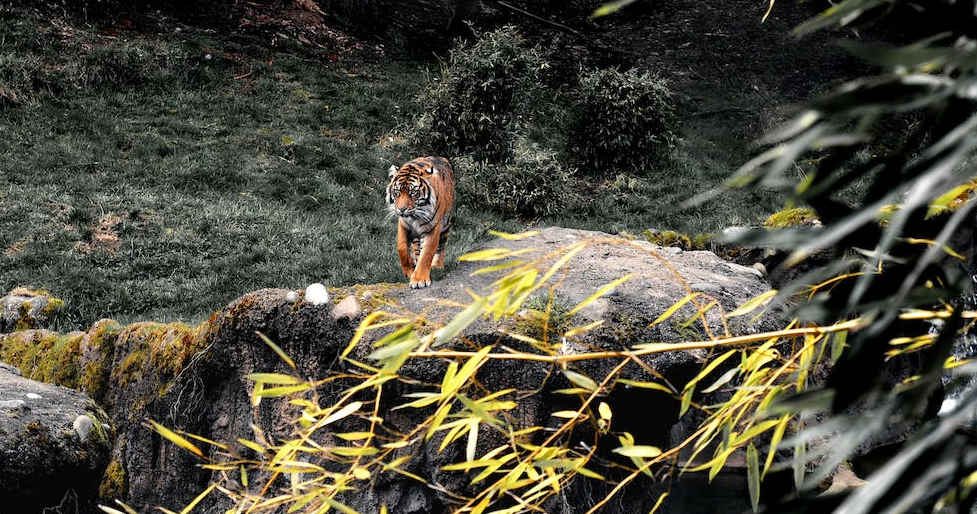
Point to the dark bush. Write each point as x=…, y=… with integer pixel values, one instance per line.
x=533, y=183
x=621, y=122
x=481, y=101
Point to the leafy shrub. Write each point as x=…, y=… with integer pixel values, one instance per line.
x=533, y=183
x=621, y=121
x=475, y=108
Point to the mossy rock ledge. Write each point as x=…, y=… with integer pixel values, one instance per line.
x=195, y=378
x=54, y=446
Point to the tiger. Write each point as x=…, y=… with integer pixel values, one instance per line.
x=421, y=196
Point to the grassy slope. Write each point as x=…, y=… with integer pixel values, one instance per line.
x=160, y=176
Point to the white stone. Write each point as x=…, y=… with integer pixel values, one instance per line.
x=34, y=396
x=83, y=426
x=316, y=294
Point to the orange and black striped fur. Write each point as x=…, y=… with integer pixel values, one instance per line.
x=421, y=194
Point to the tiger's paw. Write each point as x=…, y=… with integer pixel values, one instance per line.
x=418, y=281
x=419, y=284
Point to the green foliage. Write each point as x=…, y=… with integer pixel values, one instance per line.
x=480, y=103
x=533, y=183
x=903, y=279
x=621, y=122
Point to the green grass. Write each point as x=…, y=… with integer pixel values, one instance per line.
x=158, y=177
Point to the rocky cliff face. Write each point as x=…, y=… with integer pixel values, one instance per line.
x=194, y=378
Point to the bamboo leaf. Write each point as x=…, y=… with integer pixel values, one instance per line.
x=778, y=435
x=274, y=378
x=611, y=8
x=253, y=446
x=176, y=439
x=671, y=310
x=277, y=350
x=642, y=451
x=597, y=294
x=580, y=380
x=567, y=414
x=686, y=401
x=498, y=267
x=658, y=503
x=580, y=330
x=275, y=392
x=605, y=411
x=723, y=380
x=753, y=475
x=472, y=440
x=514, y=237
x=644, y=385
x=354, y=451
x=342, y=413
x=752, y=304
x=198, y=499
x=800, y=460
x=460, y=322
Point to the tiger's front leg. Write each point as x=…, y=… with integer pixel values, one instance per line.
x=404, y=249
x=429, y=246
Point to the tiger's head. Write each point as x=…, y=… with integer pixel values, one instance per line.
x=410, y=195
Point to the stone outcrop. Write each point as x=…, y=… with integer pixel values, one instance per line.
x=54, y=447
x=195, y=378
x=23, y=308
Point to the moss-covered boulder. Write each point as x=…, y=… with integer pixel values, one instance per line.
x=23, y=308
x=54, y=447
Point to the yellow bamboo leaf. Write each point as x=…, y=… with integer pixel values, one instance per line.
x=675, y=307
x=752, y=304
x=580, y=330
x=274, y=378
x=176, y=439
x=198, y=499
x=604, y=410
x=468, y=370
x=460, y=322
x=661, y=499
x=573, y=250
x=354, y=436
x=361, y=474
x=275, y=392
x=472, y=440
x=778, y=435
x=567, y=414
x=353, y=451
x=489, y=254
x=396, y=444
x=342, y=413
x=366, y=324
x=644, y=385
x=597, y=294
x=498, y=267
x=514, y=237
x=572, y=390
x=276, y=349
x=580, y=380
x=643, y=451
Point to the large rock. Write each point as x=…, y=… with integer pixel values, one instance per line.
x=195, y=378
x=54, y=447
x=23, y=308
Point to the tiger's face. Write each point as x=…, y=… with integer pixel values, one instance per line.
x=410, y=195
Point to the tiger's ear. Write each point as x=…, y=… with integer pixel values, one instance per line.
x=433, y=171
x=392, y=170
